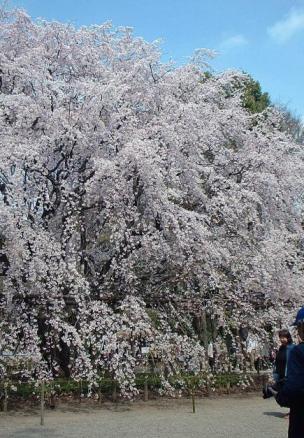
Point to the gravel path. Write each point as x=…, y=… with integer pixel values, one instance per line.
x=234, y=417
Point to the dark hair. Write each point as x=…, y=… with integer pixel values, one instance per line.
x=284, y=333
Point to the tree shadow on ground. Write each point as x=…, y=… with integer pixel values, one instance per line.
x=276, y=414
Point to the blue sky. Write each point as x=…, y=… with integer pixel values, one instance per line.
x=263, y=37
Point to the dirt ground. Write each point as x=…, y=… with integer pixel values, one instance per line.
x=247, y=416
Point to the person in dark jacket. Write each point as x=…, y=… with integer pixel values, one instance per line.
x=282, y=356
x=280, y=364
x=292, y=392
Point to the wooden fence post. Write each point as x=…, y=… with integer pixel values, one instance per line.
x=5, y=400
x=99, y=393
x=193, y=401
x=52, y=402
x=80, y=391
x=115, y=392
x=42, y=404
x=146, y=391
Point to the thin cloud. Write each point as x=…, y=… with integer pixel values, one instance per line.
x=285, y=29
x=233, y=42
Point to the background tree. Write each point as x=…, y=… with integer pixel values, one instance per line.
x=253, y=98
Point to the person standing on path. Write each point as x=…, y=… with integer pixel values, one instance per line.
x=291, y=395
x=252, y=347
x=280, y=365
x=281, y=360
x=211, y=356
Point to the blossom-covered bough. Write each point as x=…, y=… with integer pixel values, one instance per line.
x=141, y=205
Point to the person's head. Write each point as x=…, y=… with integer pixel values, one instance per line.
x=285, y=337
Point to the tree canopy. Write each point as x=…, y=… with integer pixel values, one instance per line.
x=138, y=204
